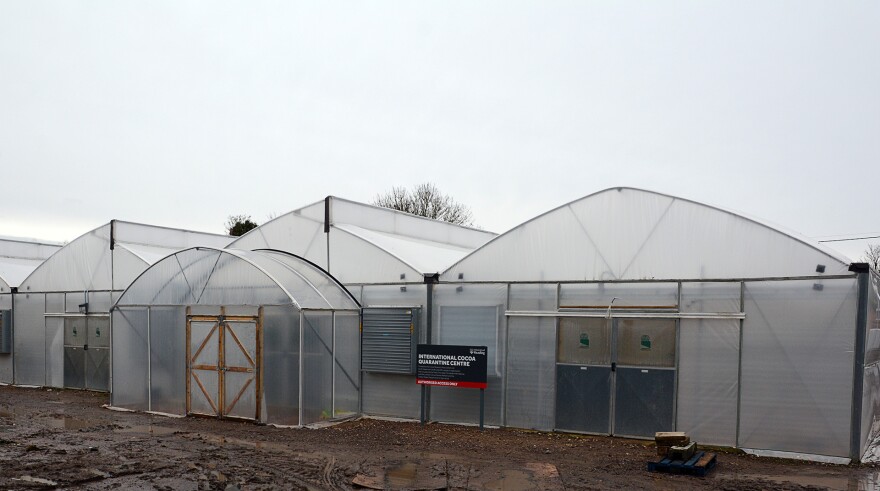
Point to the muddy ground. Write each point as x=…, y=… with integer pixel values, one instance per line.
x=65, y=439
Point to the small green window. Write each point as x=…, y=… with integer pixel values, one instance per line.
x=646, y=342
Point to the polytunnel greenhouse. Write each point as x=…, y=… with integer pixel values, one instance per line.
x=258, y=335
x=629, y=312
x=18, y=258
x=62, y=309
x=390, y=261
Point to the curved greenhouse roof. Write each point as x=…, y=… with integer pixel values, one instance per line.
x=360, y=243
x=20, y=257
x=112, y=255
x=633, y=234
x=208, y=276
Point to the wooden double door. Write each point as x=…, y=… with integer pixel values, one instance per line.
x=223, y=366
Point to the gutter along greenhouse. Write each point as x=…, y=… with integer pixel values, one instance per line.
x=625, y=313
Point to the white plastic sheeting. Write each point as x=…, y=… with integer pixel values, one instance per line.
x=708, y=380
x=88, y=262
x=870, y=425
x=205, y=276
x=366, y=244
x=19, y=257
x=797, y=366
x=625, y=233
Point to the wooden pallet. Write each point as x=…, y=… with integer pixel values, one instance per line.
x=698, y=465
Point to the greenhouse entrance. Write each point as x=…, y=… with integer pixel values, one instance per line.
x=223, y=354
x=615, y=376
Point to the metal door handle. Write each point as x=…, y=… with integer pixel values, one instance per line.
x=613, y=366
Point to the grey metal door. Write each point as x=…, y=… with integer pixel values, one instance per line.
x=615, y=376
x=87, y=353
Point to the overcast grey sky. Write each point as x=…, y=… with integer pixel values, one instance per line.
x=182, y=113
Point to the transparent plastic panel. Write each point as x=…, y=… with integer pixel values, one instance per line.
x=335, y=294
x=126, y=267
x=240, y=345
x=129, y=370
x=646, y=342
x=205, y=392
x=630, y=234
x=204, y=343
x=531, y=376
x=355, y=260
x=393, y=296
x=423, y=255
x=171, y=238
x=72, y=301
x=240, y=395
x=347, y=374
x=99, y=302
x=623, y=295
x=710, y=297
x=471, y=315
x=391, y=395
x=202, y=276
x=531, y=297
x=83, y=264
x=26, y=248
x=291, y=233
x=14, y=270
x=166, y=283
x=797, y=366
x=281, y=365
x=55, y=303
x=306, y=293
x=870, y=438
x=234, y=281
x=394, y=222
x=584, y=341
x=317, y=367
x=5, y=301
x=708, y=373
x=29, y=339
x=54, y=352
x=872, y=336
x=168, y=359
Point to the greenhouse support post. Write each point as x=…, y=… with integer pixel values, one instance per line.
x=862, y=271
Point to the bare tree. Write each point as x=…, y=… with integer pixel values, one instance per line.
x=426, y=200
x=872, y=256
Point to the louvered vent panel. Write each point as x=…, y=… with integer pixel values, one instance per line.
x=388, y=340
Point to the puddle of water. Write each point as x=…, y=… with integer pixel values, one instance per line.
x=869, y=481
x=67, y=423
x=149, y=430
x=402, y=476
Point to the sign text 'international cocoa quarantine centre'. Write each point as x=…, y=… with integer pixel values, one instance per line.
x=451, y=366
